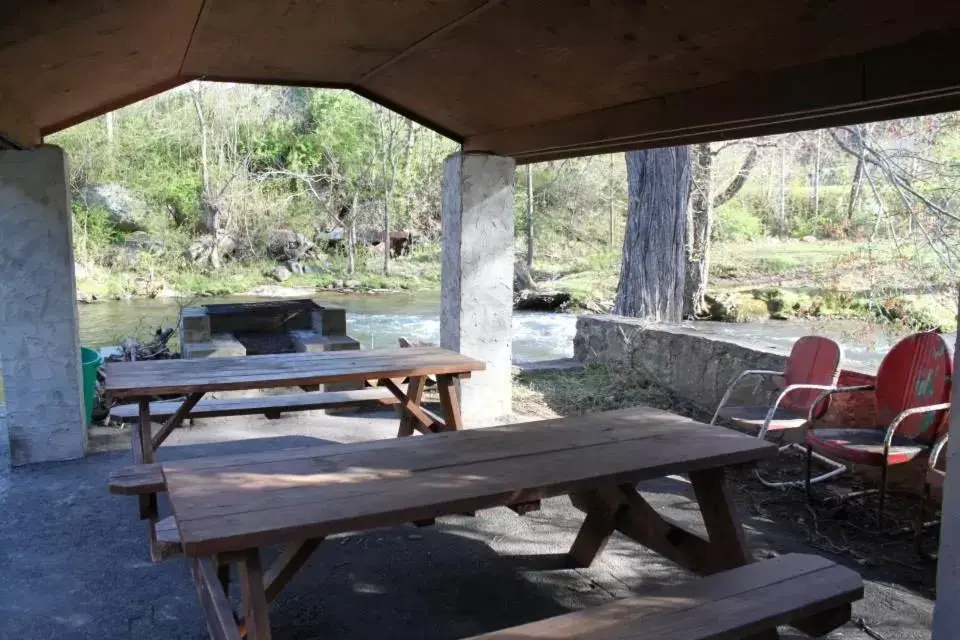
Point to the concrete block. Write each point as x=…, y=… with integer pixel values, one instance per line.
x=477, y=278
x=333, y=321
x=39, y=344
x=194, y=325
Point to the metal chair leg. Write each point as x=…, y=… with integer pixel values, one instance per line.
x=921, y=518
x=806, y=482
x=883, y=494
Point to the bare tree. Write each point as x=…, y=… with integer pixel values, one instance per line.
x=700, y=219
x=652, y=272
x=529, y=216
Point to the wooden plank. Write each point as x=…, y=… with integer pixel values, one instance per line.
x=408, y=422
x=419, y=419
x=137, y=479
x=176, y=419
x=224, y=509
x=144, y=440
x=446, y=385
x=262, y=404
x=296, y=476
x=216, y=607
x=748, y=600
x=720, y=518
x=596, y=529
x=286, y=566
x=256, y=610
x=644, y=524
x=474, y=444
x=158, y=377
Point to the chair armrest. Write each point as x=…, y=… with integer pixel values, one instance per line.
x=937, y=450
x=744, y=374
x=906, y=413
x=835, y=390
x=783, y=394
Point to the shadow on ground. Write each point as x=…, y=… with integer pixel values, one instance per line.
x=75, y=565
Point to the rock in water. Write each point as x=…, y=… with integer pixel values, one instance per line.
x=281, y=273
x=127, y=211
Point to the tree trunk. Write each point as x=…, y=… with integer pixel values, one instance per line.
x=698, y=233
x=816, y=175
x=782, y=208
x=612, y=204
x=350, y=229
x=652, y=270
x=529, y=217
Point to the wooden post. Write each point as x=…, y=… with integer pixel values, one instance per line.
x=256, y=615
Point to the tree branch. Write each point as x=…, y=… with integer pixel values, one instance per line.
x=739, y=179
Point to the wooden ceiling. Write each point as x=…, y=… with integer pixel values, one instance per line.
x=535, y=79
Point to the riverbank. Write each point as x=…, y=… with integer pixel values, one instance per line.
x=749, y=281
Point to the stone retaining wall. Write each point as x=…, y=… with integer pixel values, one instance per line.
x=697, y=369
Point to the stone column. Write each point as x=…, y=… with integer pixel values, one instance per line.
x=39, y=345
x=946, y=612
x=477, y=278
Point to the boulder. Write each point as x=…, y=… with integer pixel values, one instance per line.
x=127, y=210
x=201, y=251
x=283, y=245
x=295, y=267
x=145, y=242
x=281, y=273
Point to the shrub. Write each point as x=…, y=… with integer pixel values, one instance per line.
x=733, y=222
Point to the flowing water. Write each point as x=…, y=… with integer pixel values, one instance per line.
x=377, y=321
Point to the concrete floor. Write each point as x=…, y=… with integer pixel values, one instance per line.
x=73, y=561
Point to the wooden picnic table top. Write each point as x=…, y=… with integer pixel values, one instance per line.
x=158, y=377
x=239, y=502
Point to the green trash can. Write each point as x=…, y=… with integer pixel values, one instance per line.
x=90, y=359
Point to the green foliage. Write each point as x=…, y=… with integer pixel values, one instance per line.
x=93, y=233
x=733, y=222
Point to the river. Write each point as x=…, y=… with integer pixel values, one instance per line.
x=378, y=320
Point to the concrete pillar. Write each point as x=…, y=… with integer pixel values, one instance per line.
x=477, y=278
x=39, y=345
x=946, y=613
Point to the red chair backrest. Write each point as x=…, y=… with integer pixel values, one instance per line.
x=915, y=373
x=812, y=360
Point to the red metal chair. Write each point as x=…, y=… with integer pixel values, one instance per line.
x=813, y=366
x=912, y=393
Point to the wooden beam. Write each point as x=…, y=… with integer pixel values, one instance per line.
x=17, y=128
x=433, y=36
x=256, y=610
x=286, y=566
x=891, y=82
x=213, y=600
x=176, y=419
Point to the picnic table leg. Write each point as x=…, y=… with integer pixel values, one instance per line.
x=597, y=527
x=415, y=393
x=447, y=386
x=143, y=454
x=256, y=615
x=720, y=518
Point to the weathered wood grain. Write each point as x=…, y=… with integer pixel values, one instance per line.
x=745, y=601
x=159, y=377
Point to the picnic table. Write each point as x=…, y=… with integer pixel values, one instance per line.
x=193, y=378
x=227, y=508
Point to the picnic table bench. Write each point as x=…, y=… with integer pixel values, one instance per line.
x=143, y=380
x=226, y=508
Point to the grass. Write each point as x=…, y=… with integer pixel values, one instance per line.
x=420, y=271
x=595, y=388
